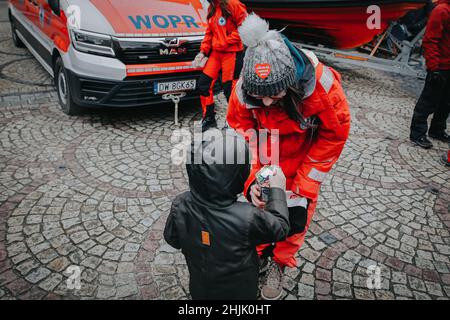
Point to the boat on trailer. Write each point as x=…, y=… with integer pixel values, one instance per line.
x=337, y=29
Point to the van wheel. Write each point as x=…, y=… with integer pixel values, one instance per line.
x=16, y=40
x=66, y=102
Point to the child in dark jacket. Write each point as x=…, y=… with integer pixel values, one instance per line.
x=216, y=233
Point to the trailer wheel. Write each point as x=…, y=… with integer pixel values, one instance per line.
x=15, y=38
x=66, y=102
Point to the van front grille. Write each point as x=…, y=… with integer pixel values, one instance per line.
x=131, y=52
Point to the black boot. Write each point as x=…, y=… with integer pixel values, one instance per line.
x=209, y=121
x=442, y=136
x=422, y=142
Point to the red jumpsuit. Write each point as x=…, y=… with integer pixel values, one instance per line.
x=223, y=45
x=304, y=161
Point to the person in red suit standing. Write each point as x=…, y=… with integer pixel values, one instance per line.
x=222, y=49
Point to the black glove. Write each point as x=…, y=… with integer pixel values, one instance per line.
x=298, y=216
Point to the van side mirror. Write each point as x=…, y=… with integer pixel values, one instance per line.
x=54, y=5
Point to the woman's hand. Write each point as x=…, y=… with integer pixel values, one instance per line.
x=255, y=195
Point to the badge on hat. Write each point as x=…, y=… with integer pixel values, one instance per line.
x=222, y=21
x=262, y=70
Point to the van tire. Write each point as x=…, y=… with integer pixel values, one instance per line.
x=66, y=102
x=15, y=38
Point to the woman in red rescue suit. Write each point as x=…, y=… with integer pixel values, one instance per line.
x=301, y=105
x=222, y=50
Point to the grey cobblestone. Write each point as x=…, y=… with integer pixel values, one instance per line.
x=342, y=290
x=38, y=275
x=105, y=292
x=434, y=288
x=402, y=290
x=305, y=291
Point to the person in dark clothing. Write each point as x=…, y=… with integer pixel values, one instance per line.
x=435, y=98
x=408, y=27
x=416, y=20
x=217, y=234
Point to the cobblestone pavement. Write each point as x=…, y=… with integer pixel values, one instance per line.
x=95, y=190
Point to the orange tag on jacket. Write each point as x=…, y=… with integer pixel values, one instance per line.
x=205, y=238
x=262, y=70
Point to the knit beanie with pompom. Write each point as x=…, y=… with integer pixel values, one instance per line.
x=269, y=67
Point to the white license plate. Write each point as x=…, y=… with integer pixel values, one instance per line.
x=175, y=86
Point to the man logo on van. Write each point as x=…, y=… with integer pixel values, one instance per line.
x=172, y=51
x=173, y=47
x=163, y=22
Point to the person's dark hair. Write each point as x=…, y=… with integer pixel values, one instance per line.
x=292, y=104
x=292, y=101
x=223, y=5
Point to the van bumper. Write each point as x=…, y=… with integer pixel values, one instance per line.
x=130, y=92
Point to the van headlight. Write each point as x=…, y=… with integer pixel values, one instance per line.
x=94, y=43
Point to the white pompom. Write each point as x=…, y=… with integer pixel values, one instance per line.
x=253, y=30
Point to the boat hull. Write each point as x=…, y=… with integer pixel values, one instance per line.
x=337, y=24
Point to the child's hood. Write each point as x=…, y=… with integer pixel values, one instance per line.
x=218, y=167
